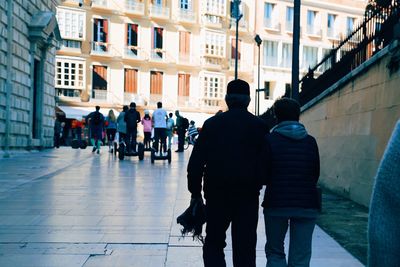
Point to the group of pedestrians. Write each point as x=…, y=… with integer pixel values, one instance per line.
x=159, y=127
x=234, y=157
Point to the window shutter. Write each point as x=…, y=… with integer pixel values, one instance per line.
x=95, y=30
x=105, y=30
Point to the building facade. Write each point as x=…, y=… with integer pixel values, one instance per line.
x=28, y=41
x=180, y=52
x=322, y=25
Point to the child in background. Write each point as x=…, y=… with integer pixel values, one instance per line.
x=192, y=132
x=147, y=125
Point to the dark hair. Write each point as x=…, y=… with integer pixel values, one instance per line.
x=287, y=109
x=159, y=104
x=125, y=108
x=170, y=115
x=97, y=108
x=132, y=105
x=147, y=117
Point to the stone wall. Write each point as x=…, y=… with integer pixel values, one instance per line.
x=20, y=101
x=352, y=126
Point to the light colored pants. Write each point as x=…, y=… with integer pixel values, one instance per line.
x=301, y=230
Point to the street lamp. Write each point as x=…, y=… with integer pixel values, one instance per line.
x=238, y=15
x=257, y=100
x=296, y=43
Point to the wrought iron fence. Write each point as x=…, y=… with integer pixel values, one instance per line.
x=373, y=34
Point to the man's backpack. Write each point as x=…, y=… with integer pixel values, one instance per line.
x=97, y=118
x=185, y=123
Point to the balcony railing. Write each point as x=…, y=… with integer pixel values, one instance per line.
x=332, y=33
x=154, y=98
x=242, y=24
x=157, y=11
x=134, y=97
x=211, y=61
x=134, y=52
x=100, y=48
x=185, y=15
x=160, y=55
x=272, y=24
x=212, y=20
x=99, y=94
x=134, y=7
x=314, y=30
x=100, y=3
x=372, y=35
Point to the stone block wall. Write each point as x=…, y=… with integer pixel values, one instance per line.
x=20, y=101
x=352, y=127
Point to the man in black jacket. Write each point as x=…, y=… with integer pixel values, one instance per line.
x=291, y=197
x=226, y=159
x=132, y=117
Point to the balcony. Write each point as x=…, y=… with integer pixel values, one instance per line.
x=332, y=34
x=272, y=24
x=103, y=49
x=98, y=94
x=242, y=24
x=159, y=55
x=134, y=7
x=101, y=4
x=159, y=12
x=314, y=31
x=210, y=20
x=212, y=62
x=134, y=53
x=186, y=16
x=132, y=97
x=242, y=66
x=154, y=98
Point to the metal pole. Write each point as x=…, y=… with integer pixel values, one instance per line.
x=296, y=43
x=258, y=86
x=237, y=42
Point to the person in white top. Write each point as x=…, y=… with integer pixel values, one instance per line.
x=160, y=127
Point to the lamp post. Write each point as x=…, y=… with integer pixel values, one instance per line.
x=296, y=42
x=238, y=16
x=257, y=100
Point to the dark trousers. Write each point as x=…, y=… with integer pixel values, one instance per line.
x=181, y=139
x=160, y=134
x=147, y=139
x=131, y=139
x=57, y=140
x=242, y=214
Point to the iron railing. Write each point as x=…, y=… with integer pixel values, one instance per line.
x=374, y=33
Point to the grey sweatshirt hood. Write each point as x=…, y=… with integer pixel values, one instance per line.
x=291, y=129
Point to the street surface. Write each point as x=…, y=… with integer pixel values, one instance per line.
x=72, y=208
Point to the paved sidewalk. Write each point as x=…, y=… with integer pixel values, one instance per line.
x=72, y=208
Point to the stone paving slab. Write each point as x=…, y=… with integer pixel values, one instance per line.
x=73, y=208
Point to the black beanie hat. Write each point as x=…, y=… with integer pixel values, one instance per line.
x=238, y=87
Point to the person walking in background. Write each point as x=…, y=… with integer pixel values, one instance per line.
x=181, y=130
x=147, y=126
x=57, y=132
x=227, y=159
x=121, y=124
x=111, y=129
x=96, y=125
x=384, y=212
x=170, y=129
x=160, y=128
x=132, y=118
x=291, y=197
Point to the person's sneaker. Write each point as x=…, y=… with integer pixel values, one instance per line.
x=98, y=151
x=94, y=149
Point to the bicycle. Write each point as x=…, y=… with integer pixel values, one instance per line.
x=189, y=142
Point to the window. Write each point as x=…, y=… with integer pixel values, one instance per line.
x=100, y=35
x=183, y=84
x=214, y=44
x=349, y=25
x=331, y=25
x=312, y=23
x=184, y=45
x=71, y=44
x=71, y=23
x=214, y=7
x=213, y=84
x=267, y=93
x=287, y=50
x=132, y=39
x=156, y=82
x=157, y=42
x=157, y=2
x=185, y=4
x=99, y=77
x=269, y=15
x=289, y=18
x=233, y=48
x=310, y=56
x=131, y=76
x=69, y=74
x=270, y=53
